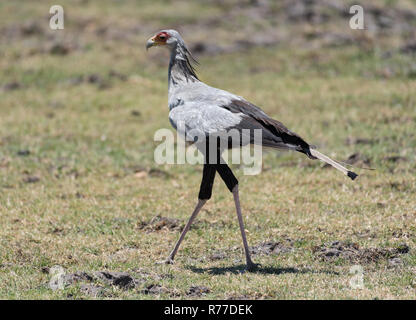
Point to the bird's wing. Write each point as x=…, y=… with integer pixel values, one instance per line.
x=274, y=133
x=202, y=118
x=198, y=107
x=209, y=110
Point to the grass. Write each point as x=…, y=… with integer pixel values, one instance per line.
x=86, y=140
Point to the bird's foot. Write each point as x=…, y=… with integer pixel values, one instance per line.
x=252, y=267
x=169, y=260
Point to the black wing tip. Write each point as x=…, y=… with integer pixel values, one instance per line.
x=352, y=175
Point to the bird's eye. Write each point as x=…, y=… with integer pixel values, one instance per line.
x=162, y=37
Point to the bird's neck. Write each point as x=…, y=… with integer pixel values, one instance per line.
x=180, y=68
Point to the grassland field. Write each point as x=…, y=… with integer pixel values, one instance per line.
x=79, y=187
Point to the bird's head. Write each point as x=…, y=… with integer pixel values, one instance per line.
x=179, y=52
x=169, y=38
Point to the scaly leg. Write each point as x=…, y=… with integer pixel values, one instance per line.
x=250, y=265
x=205, y=192
x=185, y=230
x=232, y=184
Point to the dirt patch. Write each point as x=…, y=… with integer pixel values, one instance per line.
x=358, y=159
x=31, y=28
x=206, y=224
x=60, y=49
x=142, y=172
x=301, y=15
x=161, y=223
x=93, y=290
x=263, y=21
x=11, y=86
x=97, y=284
x=219, y=255
x=237, y=297
x=45, y=270
x=272, y=247
x=199, y=48
x=154, y=172
x=400, y=186
x=90, y=289
x=353, y=253
x=400, y=233
x=26, y=29
x=31, y=179
x=155, y=289
x=409, y=48
x=78, y=276
x=395, y=159
x=329, y=39
x=198, y=291
x=354, y=141
x=136, y=113
x=100, y=81
x=368, y=234
x=395, y=262
x=23, y=153
x=120, y=279
x=253, y=296
x=117, y=75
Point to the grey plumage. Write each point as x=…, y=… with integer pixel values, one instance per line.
x=209, y=111
x=206, y=111
x=198, y=110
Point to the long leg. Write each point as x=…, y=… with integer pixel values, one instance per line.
x=204, y=195
x=232, y=184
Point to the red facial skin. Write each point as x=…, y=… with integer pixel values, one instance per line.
x=161, y=37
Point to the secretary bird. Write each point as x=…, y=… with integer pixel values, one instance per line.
x=209, y=111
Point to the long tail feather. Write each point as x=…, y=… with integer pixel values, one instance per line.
x=333, y=163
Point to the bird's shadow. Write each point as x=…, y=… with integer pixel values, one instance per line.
x=241, y=268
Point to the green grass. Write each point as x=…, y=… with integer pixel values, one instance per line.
x=85, y=211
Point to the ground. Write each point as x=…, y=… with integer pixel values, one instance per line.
x=80, y=189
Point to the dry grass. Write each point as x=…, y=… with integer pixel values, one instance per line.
x=71, y=148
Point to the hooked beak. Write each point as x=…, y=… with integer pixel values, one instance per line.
x=150, y=43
